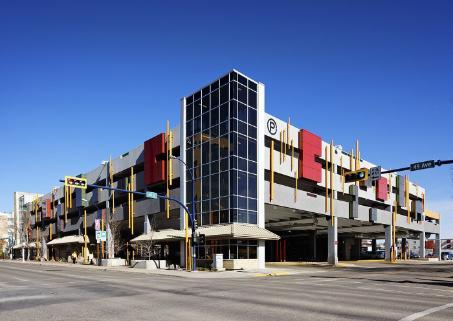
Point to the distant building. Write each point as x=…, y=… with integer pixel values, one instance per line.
x=6, y=232
x=20, y=199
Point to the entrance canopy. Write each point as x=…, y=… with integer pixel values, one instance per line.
x=68, y=239
x=232, y=231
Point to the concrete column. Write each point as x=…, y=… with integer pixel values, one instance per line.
x=146, y=225
x=332, y=241
x=438, y=247
x=373, y=245
x=261, y=253
x=422, y=251
x=182, y=250
x=404, y=254
x=388, y=243
x=314, y=245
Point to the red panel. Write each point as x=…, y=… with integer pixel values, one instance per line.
x=311, y=147
x=381, y=189
x=154, y=162
x=48, y=209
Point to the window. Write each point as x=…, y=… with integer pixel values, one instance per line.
x=242, y=146
x=205, y=153
x=205, y=121
x=224, y=112
x=189, y=128
x=233, y=90
x=252, y=98
x=214, y=99
x=189, y=112
x=205, y=187
x=252, y=186
x=242, y=94
x=242, y=112
x=224, y=183
x=205, y=104
x=242, y=216
x=221, y=130
x=224, y=94
x=242, y=164
x=224, y=146
x=252, y=116
x=252, y=150
x=214, y=185
x=197, y=108
x=242, y=183
x=215, y=116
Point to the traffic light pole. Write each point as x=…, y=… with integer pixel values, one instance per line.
x=142, y=194
x=435, y=163
x=194, y=220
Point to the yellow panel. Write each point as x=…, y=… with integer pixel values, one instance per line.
x=433, y=215
x=292, y=154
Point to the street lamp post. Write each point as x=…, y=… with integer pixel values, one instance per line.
x=194, y=220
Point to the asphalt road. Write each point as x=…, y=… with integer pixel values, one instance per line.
x=381, y=292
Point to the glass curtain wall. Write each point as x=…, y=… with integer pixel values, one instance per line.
x=221, y=121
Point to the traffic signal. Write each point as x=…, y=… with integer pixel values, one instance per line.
x=356, y=176
x=202, y=239
x=75, y=182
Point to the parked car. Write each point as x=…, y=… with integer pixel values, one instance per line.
x=447, y=256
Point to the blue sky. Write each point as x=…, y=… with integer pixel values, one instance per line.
x=379, y=71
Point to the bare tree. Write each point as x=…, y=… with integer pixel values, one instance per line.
x=148, y=246
x=24, y=228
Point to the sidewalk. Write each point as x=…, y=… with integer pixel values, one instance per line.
x=267, y=272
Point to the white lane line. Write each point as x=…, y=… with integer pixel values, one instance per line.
x=22, y=298
x=19, y=279
x=421, y=314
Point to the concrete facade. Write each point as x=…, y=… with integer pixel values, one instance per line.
x=316, y=220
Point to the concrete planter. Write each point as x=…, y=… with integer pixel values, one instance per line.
x=113, y=262
x=241, y=264
x=149, y=264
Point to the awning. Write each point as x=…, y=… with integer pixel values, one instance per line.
x=32, y=245
x=162, y=235
x=235, y=231
x=238, y=231
x=68, y=239
x=19, y=246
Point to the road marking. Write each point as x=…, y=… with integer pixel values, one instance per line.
x=22, y=298
x=19, y=279
x=421, y=314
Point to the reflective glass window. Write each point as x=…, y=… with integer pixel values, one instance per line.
x=252, y=116
x=252, y=150
x=205, y=104
x=214, y=99
x=224, y=183
x=252, y=99
x=197, y=125
x=189, y=112
x=214, y=116
x=252, y=185
x=214, y=185
x=242, y=94
x=224, y=112
x=197, y=108
x=242, y=112
x=242, y=183
x=224, y=94
x=242, y=146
